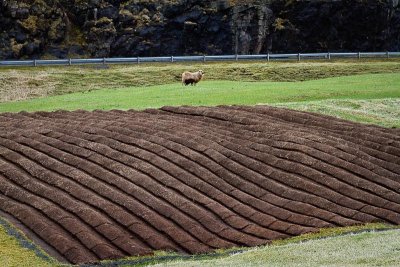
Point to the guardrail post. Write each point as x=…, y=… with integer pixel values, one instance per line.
x=329, y=55
x=34, y=63
x=172, y=58
x=268, y=56
x=236, y=57
x=104, y=60
x=298, y=57
x=137, y=60
x=359, y=55
x=69, y=62
x=387, y=54
x=204, y=58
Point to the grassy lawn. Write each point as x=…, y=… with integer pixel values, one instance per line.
x=210, y=93
x=32, y=82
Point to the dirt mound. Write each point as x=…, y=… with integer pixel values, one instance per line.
x=99, y=185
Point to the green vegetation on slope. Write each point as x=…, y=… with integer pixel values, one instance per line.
x=252, y=256
x=28, y=83
x=384, y=112
x=300, y=249
x=364, y=249
x=13, y=254
x=210, y=93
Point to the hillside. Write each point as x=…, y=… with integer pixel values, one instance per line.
x=109, y=184
x=110, y=28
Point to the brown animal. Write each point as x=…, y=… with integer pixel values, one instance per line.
x=192, y=78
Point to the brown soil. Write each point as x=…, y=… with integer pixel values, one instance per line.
x=103, y=185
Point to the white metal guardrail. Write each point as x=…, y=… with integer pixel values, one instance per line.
x=137, y=60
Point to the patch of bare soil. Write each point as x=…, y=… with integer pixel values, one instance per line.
x=103, y=185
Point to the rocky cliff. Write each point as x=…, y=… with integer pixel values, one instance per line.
x=111, y=28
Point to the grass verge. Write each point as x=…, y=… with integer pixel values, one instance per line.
x=260, y=256
x=16, y=250
x=363, y=249
x=306, y=250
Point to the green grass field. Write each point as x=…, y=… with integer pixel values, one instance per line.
x=368, y=98
x=210, y=93
x=20, y=251
x=27, y=82
x=366, y=91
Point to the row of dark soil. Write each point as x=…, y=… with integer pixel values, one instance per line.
x=102, y=185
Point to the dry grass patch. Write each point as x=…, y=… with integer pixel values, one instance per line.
x=16, y=85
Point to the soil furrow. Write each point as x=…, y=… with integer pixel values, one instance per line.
x=82, y=233
x=321, y=165
x=159, y=191
x=215, y=145
x=95, y=220
x=371, y=148
x=187, y=145
x=149, y=235
x=116, y=211
x=165, y=141
x=45, y=229
x=336, y=157
x=105, y=184
x=168, y=180
x=174, y=146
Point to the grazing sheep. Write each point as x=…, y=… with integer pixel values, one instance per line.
x=192, y=77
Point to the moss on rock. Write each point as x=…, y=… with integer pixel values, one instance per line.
x=30, y=24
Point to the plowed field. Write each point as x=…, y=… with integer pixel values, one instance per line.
x=107, y=184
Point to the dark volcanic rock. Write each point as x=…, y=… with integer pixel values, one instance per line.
x=107, y=28
x=100, y=35
x=333, y=26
